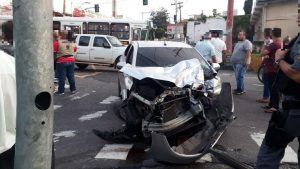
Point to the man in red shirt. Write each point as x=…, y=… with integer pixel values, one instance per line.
x=65, y=63
x=55, y=50
x=271, y=69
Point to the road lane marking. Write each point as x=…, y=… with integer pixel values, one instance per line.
x=92, y=116
x=78, y=96
x=206, y=158
x=260, y=85
x=55, y=107
x=114, y=151
x=290, y=155
x=66, y=134
x=88, y=75
x=110, y=100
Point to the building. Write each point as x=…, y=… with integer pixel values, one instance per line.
x=235, y=12
x=175, y=31
x=275, y=13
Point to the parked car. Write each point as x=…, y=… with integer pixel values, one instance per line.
x=97, y=49
x=171, y=98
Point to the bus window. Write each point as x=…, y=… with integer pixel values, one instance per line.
x=56, y=25
x=136, y=34
x=101, y=28
x=74, y=28
x=120, y=30
x=84, y=28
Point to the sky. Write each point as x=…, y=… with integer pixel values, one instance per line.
x=134, y=9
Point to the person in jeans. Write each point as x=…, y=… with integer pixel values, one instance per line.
x=271, y=69
x=241, y=58
x=268, y=40
x=65, y=63
x=284, y=124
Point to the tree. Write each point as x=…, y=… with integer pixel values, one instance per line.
x=202, y=18
x=248, y=6
x=215, y=13
x=160, y=20
x=242, y=22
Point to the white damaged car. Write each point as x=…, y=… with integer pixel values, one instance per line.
x=171, y=98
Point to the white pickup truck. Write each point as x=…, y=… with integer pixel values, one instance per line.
x=97, y=49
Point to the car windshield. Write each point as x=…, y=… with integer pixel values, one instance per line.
x=114, y=41
x=169, y=56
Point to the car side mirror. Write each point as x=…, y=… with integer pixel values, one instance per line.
x=120, y=65
x=106, y=45
x=216, y=66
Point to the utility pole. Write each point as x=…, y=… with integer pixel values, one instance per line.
x=229, y=26
x=180, y=6
x=114, y=8
x=64, y=7
x=176, y=11
x=34, y=75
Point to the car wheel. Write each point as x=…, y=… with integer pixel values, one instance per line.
x=81, y=66
x=117, y=61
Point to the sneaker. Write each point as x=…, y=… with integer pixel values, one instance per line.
x=118, y=136
x=238, y=92
x=74, y=91
x=59, y=93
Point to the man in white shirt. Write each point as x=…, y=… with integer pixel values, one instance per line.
x=220, y=47
x=8, y=107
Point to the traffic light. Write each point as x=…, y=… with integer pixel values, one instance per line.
x=145, y=2
x=175, y=18
x=96, y=7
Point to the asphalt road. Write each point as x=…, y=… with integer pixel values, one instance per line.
x=91, y=108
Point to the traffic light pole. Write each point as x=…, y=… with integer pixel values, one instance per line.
x=34, y=74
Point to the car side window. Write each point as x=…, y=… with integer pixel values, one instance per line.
x=84, y=41
x=129, y=56
x=98, y=41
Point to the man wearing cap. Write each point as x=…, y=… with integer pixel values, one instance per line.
x=206, y=49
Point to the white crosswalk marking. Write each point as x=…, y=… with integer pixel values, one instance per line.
x=114, y=151
x=78, y=96
x=92, y=116
x=110, y=100
x=55, y=107
x=65, y=134
x=290, y=155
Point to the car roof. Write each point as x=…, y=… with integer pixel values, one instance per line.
x=162, y=44
x=93, y=35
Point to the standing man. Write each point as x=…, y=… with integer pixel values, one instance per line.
x=270, y=69
x=220, y=47
x=206, y=49
x=241, y=58
x=268, y=40
x=284, y=124
x=65, y=63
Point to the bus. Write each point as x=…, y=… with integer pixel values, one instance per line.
x=124, y=29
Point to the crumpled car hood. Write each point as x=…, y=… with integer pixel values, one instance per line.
x=187, y=72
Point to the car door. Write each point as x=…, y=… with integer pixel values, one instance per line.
x=83, y=49
x=101, y=51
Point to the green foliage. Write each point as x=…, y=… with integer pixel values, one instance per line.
x=159, y=33
x=215, y=13
x=202, y=18
x=241, y=22
x=160, y=18
x=248, y=6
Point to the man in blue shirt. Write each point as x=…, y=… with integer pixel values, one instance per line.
x=206, y=49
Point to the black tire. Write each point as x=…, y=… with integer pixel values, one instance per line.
x=81, y=66
x=260, y=72
x=116, y=62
